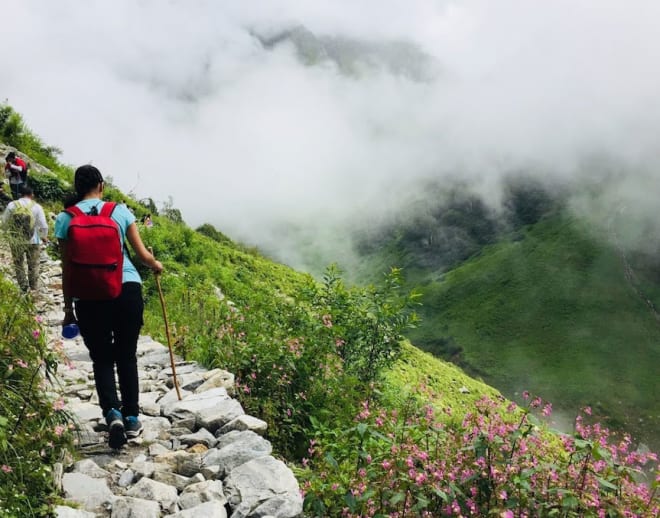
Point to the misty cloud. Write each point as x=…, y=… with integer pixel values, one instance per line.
x=258, y=115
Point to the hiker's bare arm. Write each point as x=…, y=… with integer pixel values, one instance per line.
x=69, y=317
x=147, y=258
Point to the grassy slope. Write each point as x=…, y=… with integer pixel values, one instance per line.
x=450, y=387
x=554, y=314
x=248, y=277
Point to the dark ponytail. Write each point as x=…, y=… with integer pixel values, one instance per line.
x=86, y=178
x=70, y=199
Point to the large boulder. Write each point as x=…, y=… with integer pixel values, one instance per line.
x=262, y=487
x=211, y=409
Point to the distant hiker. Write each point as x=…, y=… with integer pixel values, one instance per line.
x=92, y=232
x=25, y=223
x=146, y=221
x=16, y=170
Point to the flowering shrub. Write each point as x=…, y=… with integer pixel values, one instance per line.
x=496, y=461
x=33, y=429
x=297, y=359
x=368, y=323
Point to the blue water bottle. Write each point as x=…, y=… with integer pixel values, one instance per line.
x=70, y=331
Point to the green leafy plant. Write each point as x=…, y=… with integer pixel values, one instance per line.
x=367, y=323
x=34, y=430
x=47, y=187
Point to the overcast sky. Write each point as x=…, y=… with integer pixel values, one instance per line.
x=181, y=99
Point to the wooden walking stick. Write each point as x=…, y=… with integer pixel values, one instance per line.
x=167, y=330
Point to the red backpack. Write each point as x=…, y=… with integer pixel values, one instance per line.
x=95, y=255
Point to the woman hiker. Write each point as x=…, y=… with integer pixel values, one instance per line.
x=109, y=328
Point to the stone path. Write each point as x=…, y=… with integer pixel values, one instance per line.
x=201, y=457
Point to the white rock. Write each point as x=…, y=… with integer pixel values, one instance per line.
x=127, y=507
x=245, y=422
x=205, y=510
x=62, y=511
x=235, y=449
x=90, y=492
x=219, y=378
x=207, y=491
x=90, y=468
x=148, y=489
x=126, y=479
x=263, y=486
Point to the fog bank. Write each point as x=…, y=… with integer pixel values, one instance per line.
x=263, y=114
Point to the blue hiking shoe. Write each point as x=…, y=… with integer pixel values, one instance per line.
x=133, y=426
x=117, y=434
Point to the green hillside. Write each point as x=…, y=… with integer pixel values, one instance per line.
x=552, y=312
x=372, y=425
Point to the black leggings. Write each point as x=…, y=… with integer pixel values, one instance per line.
x=110, y=330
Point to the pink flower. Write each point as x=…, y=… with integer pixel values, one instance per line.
x=420, y=478
x=525, y=394
x=386, y=464
x=21, y=363
x=503, y=495
x=36, y=333
x=587, y=410
x=58, y=405
x=547, y=410
x=507, y=514
x=59, y=430
x=6, y=469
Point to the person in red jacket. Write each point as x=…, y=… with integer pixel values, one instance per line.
x=16, y=170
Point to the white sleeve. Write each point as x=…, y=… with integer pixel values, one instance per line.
x=41, y=223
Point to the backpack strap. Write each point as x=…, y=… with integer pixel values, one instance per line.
x=108, y=208
x=74, y=211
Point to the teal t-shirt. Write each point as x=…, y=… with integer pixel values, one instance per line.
x=121, y=215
